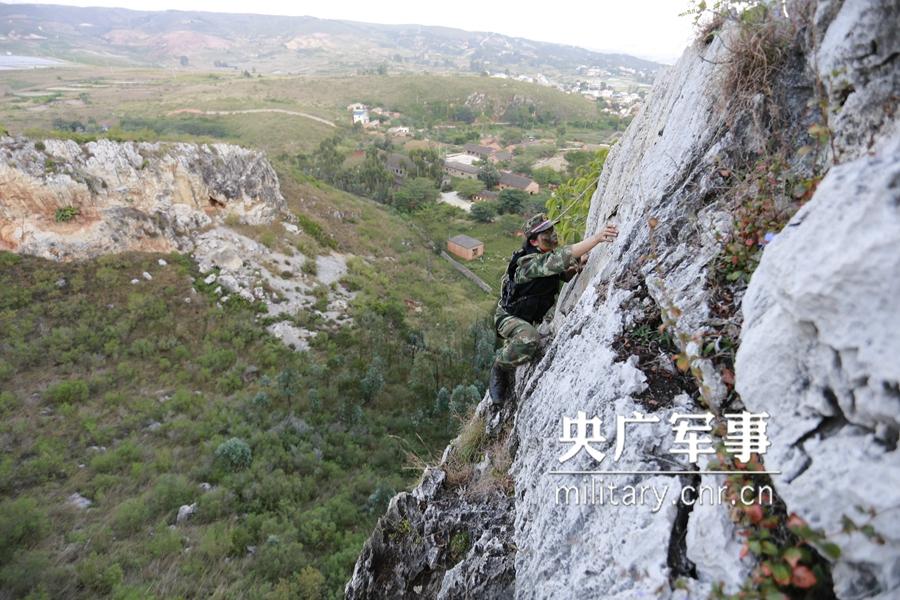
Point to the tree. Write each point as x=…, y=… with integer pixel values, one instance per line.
x=428, y=163
x=510, y=135
x=489, y=174
x=483, y=212
x=415, y=193
x=326, y=161
x=574, y=198
x=468, y=187
x=511, y=201
x=373, y=381
x=546, y=176
x=462, y=113
x=374, y=178
x=576, y=159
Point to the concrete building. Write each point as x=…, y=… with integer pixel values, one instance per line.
x=518, y=182
x=455, y=169
x=465, y=247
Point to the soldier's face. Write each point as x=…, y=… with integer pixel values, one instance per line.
x=547, y=240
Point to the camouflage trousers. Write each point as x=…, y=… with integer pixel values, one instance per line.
x=520, y=339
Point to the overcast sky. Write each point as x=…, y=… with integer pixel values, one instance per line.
x=646, y=28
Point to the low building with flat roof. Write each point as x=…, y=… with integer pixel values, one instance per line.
x=455, y=169
x=465, y=247
x=518, y=182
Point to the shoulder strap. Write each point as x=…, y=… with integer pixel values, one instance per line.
x=506, y=293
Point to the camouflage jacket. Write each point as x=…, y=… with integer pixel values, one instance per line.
x=559, y=261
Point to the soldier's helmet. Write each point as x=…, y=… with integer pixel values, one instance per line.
x=536, y=225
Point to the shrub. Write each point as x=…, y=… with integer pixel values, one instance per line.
x=170, y=492
x=217, y=359
x=116, y=460
x=279, y=559
x=216, y=541
x=215, y=504
x=315, y=230
x=163, y=542
x=310, y=267
x=484, y=212
x=308, y=584
x=66, y=213
x=130, y=516
x=22, y=524
x=8, y=402
x=6, y=370
x=415, y=193
x=460, y=542
x=268, y=239
x=512, y=201
x=29, y=572
x=67, y=392
x=235, y=454
x=96, y=574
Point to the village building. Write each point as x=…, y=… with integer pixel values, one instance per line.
x=361, y=116
x=398, y=165
x=461, y=157
x=385, y=113
x=455, y=169
x=482, y=152
x=465, y=247
x=518, y=182
x=485, y=196
x=399, y=131
x=501, y=156
x=356, y=106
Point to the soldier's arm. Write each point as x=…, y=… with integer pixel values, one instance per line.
x=532, y=266
x=606, y=234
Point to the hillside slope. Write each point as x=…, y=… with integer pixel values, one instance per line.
x=283, y=43
x=788, y=162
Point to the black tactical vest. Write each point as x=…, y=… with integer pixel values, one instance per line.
x=531, y=300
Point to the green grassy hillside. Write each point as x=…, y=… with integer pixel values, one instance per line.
x=151, y=104
x=133, y=398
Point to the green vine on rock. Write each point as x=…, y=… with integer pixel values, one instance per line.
x=572, y=199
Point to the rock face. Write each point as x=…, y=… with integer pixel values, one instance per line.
x=816, y=326
x=451, y=537
x=127, y=196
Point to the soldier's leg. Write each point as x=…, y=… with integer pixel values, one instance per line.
x=522, y=341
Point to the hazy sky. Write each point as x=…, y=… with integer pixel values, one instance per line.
x=646, y=28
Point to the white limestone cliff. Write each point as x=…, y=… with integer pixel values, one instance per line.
x=818, y=327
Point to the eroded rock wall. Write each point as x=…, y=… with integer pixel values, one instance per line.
x=128, y=196
x=817, y=326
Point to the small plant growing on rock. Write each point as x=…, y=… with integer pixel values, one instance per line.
x=66, y=213
x=459, y=546
x=235, y=454
x=789, y=553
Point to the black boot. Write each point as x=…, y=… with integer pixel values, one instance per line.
x=500, y=384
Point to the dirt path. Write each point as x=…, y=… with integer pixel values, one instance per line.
x=194, y=111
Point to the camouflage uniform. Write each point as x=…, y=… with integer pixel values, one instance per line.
x=521, y=336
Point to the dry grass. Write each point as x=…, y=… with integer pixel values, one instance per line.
x=757, y=53
x=471, y=448
x=467, y=450
x=496, y=477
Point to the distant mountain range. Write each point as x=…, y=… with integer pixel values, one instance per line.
x=268, y=44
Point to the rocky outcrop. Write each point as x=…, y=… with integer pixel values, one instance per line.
x=62, y=200
x=66, y=201
x=816, y=329
x=452, y=535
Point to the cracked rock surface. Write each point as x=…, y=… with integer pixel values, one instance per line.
x=818, y=339
x=129, y=195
